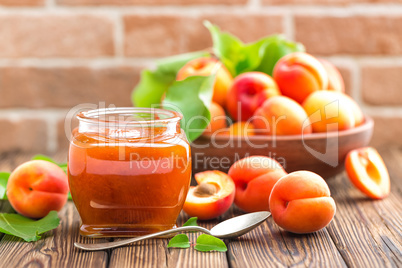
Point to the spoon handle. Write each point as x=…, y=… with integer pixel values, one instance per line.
x=114, y=244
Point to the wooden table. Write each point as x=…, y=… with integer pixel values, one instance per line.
x=364, y=233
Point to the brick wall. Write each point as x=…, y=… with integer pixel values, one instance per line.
x=55, y=54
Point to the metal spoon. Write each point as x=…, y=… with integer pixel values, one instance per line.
x=230, y=228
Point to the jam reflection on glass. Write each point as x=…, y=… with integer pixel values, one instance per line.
x=129, y=179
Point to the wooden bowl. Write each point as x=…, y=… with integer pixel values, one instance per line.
x=323, y=153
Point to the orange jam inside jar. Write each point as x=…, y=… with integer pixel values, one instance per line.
x=129, y=171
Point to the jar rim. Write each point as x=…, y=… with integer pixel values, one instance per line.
x=93, y=116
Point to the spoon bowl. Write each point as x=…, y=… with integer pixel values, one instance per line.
x=230, y=228
x=239, y=225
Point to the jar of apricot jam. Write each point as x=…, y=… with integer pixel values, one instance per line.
x=129, y=171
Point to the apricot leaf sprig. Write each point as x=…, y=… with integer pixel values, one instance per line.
x=26, y=228
x=261, y=55
x=204, y=242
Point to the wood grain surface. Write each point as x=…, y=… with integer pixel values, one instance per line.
x=364, y=233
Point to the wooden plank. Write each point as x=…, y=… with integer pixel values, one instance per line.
x=55, y=249
x=270, y=246
x=393, y=205
x=367, y=232
x=149, y=253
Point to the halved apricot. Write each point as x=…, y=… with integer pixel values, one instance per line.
x=212, y=197
x=367, y=171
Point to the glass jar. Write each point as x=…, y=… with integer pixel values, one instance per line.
x=129, y=171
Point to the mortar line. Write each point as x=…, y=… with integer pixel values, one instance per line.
x=356, y=91
x=118, y=36
x=52, y=129
x=288, y=26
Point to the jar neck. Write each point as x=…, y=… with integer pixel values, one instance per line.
x=130, y=123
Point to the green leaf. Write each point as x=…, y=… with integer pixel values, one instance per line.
x=151, y=88
x=191, y=97
x=209, y=243
x=275, y=49
x=234, y=54
x=153, y=84
x=3, y=184
x=179, y=241
x=191, y=222
x=261, y=55
x=226, y=47
x=25, y=228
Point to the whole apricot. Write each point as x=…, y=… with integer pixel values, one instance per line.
x=299, y=74
x=281, y=115
x=300, y=202
x=248, y=92
x=330, y=111
x=37, y=187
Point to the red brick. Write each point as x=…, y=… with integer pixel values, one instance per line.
x=55, y=36
x=66, y=87
x=29, y=135
x=326, y=2
x=163, y=35
x=387, y=131
x=350, y=35
x=22, y=2
x=151, y=2
x=382, y=85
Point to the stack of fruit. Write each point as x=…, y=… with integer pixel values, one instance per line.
x=304, y=95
